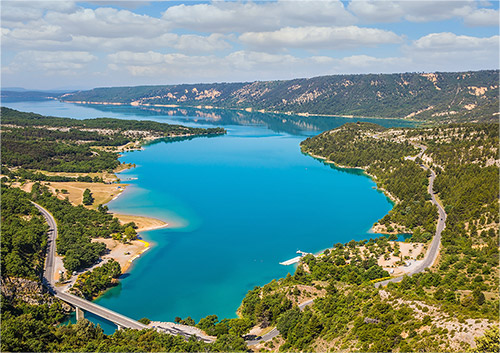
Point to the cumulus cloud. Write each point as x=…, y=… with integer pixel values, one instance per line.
x=234, y=41
x=372, y=11
x=38, y=31
x=54, y=38
x=451, y=43
x=482, y=17
x=103, y=29
x=17, y=13
x=193, y=44
x=319, y=38
x=50, y=62
x=376, y=11
x=451, y=52
x=129, y=4
x=425, y=11
x=243, y=66
x=224, y=17
x=107, y=22
x=157, y=65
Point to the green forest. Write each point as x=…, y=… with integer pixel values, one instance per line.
x=439, y=96
x=426, y=312
x=362, y=145
x=29, y=327
x=24, y=236
x=33, y=141
x=90, y=284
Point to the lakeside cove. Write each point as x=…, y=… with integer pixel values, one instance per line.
x=229, y=201
x=248, y=155
x=123, y=253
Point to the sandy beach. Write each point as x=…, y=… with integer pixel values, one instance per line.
x=102, y=193
x=143, y=223
x=123, y=253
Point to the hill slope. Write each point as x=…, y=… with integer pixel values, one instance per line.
x=464, y=96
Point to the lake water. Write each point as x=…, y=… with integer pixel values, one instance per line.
x=239, y=204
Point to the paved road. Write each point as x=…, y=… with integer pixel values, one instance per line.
x=432, y=253
x=274, y=332
x=86, y=305
x=48, y=271
x=98, y=310
x=118, y=319
x=429, y=259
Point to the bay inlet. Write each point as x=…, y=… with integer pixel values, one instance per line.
x=240, y=204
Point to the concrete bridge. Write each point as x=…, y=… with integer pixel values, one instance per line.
x=78, y=303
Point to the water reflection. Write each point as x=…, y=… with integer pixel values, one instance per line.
x=178, y=139
x=292, y=124
x=354, y=171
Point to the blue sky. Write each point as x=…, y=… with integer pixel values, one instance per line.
x=72, y=44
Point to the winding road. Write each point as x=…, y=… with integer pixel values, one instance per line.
x=428, y=261
x=274, y=332
x=120, y=320
x=48, y=281
x=48, y=271
x=433, y=251
x=123, y=321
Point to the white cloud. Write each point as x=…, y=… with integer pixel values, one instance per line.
x=102, y=29
x=50, y=62
x=319, y=38
x=251, y=61
x=48, y=37
x=426, y=11
x=451, y=43
x=372, y=11
x=482, y=17
x=38, y=31
x=366, y=63
x=129, y=4
x=224, y=17
x=107, y=23
x=242, y=66
x=376, y=11
x=163, y=66
x=22, y=11
x=193, y=44
x=450, y=52
x=244, y=41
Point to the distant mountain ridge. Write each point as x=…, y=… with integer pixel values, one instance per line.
x=14, y=94
x=440, y=96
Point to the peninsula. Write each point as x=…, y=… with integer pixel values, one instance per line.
x=76, y=162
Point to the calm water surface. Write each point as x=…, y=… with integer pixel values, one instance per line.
x=238, y=204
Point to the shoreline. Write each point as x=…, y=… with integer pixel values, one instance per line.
x=124, y=253
x=126, y=267
x=143, y=223
x=392, y=199
x=248, y=109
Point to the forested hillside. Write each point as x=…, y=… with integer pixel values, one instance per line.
x=411, y=315
x=452, y=96
x=381, y=152
x=31, y=318
x=33, y=141
x=24, y=236
x=330, y=303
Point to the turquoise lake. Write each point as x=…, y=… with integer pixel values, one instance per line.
x=239, y=204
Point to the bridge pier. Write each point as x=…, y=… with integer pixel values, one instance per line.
x=119, y=327
x=79, y=314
